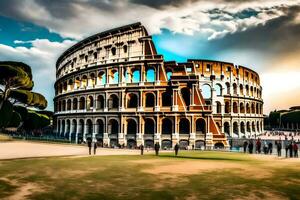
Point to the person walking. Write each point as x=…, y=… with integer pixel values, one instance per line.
x=245, y=146
x=258, y=146
x=156, y=148
x=142, y=149
x=295, y=147
x=176, y=149
x=291, y=149
x=286, y=146
x=250, y=146
x=270, y=148
x=279, y=147
x=89, y=143
x=95, y=147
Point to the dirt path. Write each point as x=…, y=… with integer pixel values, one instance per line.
x=24, y=149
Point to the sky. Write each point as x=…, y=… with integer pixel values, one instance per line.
x=263, y=35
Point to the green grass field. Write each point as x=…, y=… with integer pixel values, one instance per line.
x=191, y=175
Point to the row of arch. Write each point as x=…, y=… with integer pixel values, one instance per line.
x=241, y=128
x=132, y=100
x=110, y=76
x=249, y=108
x=131, y=126
x=220, y=90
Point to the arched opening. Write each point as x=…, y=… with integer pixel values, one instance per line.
x=80, y=131
x=218, y=89
x=90, y=103
x=70, y=85
x=92, y=80
x=228, y=88
x=234, y=88
x=89, y=129
x=200, y=126
x=65, y=86
x=68, y=126
x=150, y=100
x=248, y=127
x=101, y=78
x=242, y=108
x=247, y=108
x=113, y=102
x=251, y=91
x=75, y=103
x=132, y=101
x=185, y=93
x=99, y=129
x=257, y=127
x=236, y=128
x=82, y=103
x=136, y=76
x=167, y=126
x=113, y=51
x=100, y=102
x=69, y=104
x=206, y=91
x=169, y=74
x=242, y=127
x=257, y=110
x=252, y=108
x=77, y=82
x=131, y=127
x=227, y=128
x=113, y=127
x=125, y=48
x=114, y=77
x=247, y=90
x=199, y=144
x=74, y=129
x=84, y=81
x=227, y=107
x=253, y=127
x=149, y=126
x=219, y=107
x=167, y=98
x=150, y=75
x=235, y=107
x=241, y=89
x=184, y=126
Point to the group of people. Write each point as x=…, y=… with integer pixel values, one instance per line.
x=291, y=147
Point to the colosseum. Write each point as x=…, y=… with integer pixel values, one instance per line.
x=114, y=88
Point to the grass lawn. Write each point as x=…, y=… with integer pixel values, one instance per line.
x=192, y=175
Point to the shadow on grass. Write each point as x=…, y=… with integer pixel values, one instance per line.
x=201, y=158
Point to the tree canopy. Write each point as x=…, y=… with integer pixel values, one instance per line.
x=16, y=94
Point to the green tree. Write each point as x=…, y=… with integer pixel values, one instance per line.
x=16, y=89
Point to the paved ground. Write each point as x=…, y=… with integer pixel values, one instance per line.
x=24, y=149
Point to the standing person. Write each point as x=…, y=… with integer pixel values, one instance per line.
x=250, y=146
x=265, y=147
x=156, y=148
x=176, y=149
x=291, y=149
x=295, y=147
x=245, y=146
x=286, y=146
x=258, y=145
x=279, y=147
x=142, y=149
x=270, y=147
x=95, y=147
x=89, y=143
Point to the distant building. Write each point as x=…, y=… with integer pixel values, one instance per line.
x=114, y=87
x=284, y=119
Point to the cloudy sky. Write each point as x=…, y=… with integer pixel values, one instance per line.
x=261, y=34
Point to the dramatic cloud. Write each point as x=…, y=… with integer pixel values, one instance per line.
x=41, y=57
x=215, y=19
